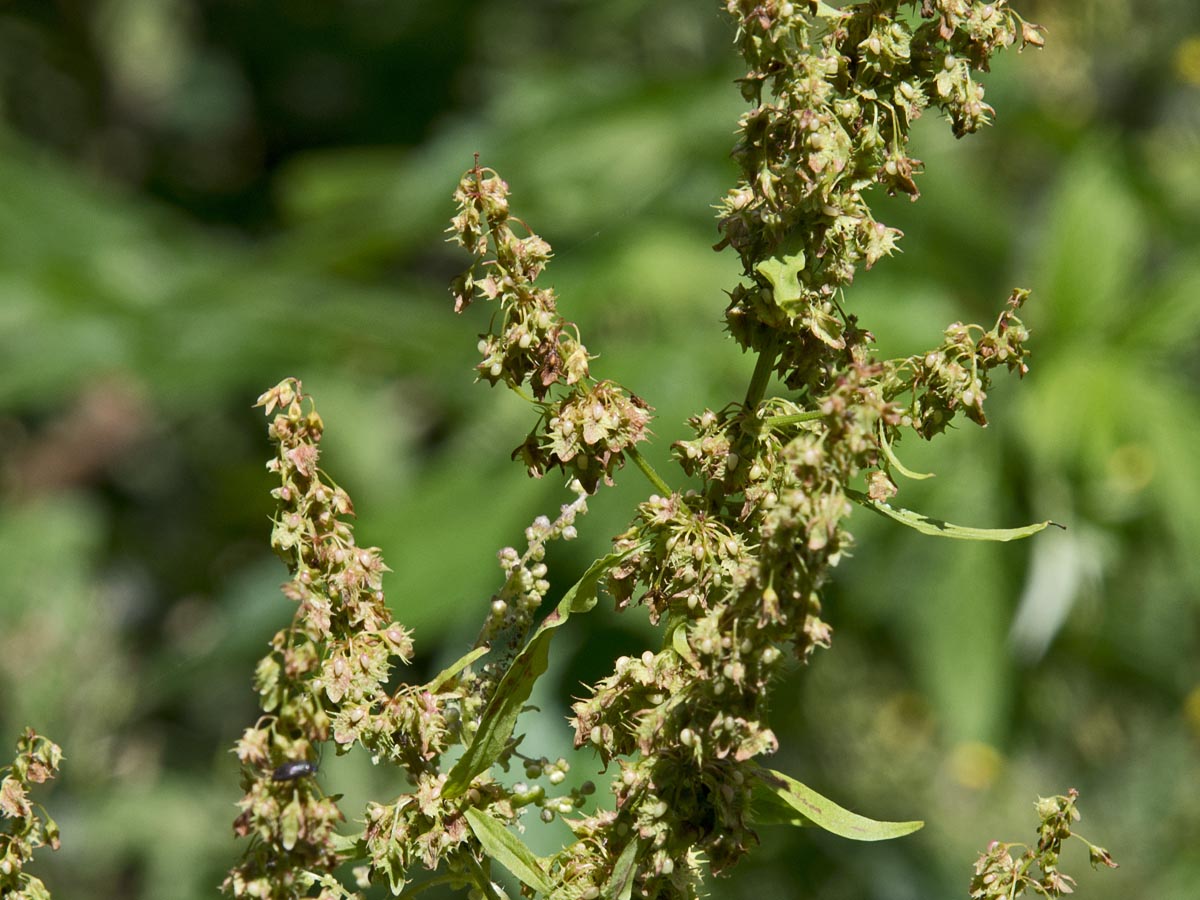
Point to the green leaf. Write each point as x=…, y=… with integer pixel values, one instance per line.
x=825, y=327
x=780, y=799
x=345, y=843
x=783, y=273
x=678, y=636
x=894, y=461
x=500, y=718
x=396, y=872
x=447, y=674
x=938, y=528
x=620, y=882
x=507, y=849
x=35, y=888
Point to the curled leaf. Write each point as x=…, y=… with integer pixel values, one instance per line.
x=894, y=461
x=783, y=274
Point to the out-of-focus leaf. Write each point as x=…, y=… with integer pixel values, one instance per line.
x=1096, y=239
x=1170, y=320
x=782, y=800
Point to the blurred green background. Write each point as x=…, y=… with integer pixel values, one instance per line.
x=198, y=197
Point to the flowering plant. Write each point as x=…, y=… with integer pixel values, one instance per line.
x=731, y=567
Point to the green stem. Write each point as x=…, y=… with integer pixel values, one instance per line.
x=761, y=377
x=520, y=392
x=648, y=470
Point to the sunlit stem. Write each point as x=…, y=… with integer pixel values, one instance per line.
x=761, y=377
x=648, y=470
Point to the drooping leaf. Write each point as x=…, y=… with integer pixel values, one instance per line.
x=500, y=718
x=894, y=461
x=620, y=882
x=447, y=674
x=939, y=528
x=509, y=850
x=782, y=800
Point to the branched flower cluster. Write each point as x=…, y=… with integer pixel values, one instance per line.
x=955, y=376
x=327, y=677
x=833, y=95
x=525, y=586
x=27, y=826
x=326, y=672
x=732, y=569
x=1001, y=875
x=588, y=429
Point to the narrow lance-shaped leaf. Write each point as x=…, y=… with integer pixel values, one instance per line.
x=447, y=674
x=507, y=849
x=500, y=717
x=782, y=800
x=620, y=882
x=938, y=528
x=483, y=879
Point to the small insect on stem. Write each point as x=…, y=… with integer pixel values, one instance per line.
x=296, y=768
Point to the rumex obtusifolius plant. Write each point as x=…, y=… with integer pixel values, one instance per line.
x=999, y=874
x=732, y=569
x=25, y=825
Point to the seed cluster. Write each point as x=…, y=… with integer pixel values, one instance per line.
x=326, y=673
x=999, y=875
x=27, y=826
x=326, y=678
x=587, y=429
x=833, y=95
x=955, y=376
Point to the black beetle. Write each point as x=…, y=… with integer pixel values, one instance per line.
x=296, y=768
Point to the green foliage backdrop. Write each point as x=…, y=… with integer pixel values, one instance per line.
x=197, y=198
